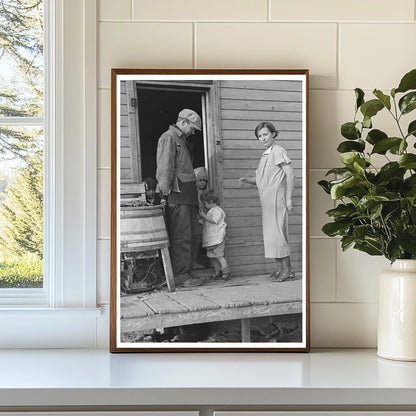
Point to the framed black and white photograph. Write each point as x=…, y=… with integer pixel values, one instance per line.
x=209, y=211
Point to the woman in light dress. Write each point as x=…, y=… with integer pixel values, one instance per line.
x=275, y=182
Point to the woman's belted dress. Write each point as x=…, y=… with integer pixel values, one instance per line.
x=272, y=186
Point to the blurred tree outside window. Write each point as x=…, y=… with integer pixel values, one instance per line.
x=21, y=143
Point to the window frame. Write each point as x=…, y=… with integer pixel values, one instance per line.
x=70, y=208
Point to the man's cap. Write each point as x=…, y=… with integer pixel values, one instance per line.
x=192, y=117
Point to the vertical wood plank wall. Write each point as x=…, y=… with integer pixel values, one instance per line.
x=243, y=106
x=126, y=175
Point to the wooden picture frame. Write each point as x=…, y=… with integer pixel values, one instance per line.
x=153, y=306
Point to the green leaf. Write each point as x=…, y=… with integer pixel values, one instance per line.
x=375, y=135
x=375, y=212
x=385, y=99
x=359, y=94
x=383, y=145
x=408, y=82
x=348, y=158
x=411, y=180
x=359, y=165
x=407, y=240
x=408, y=102
x=346, y=242
x=367, y=122
x=391, y=170
x=341, y=188
x=368, y=248
x=349, y=131
x=325, y=186
x=398, y=149
x=402, y=147
x=342, y=211
x=349, y=146
x=393, y=250
x=338, y=171
x=369, y=201
x=371, y=108
x=333, y=229
x=408, y=161
x=411, y=130
x=361, y=231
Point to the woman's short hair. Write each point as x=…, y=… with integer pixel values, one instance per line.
x=209, y=196
x=269, y=126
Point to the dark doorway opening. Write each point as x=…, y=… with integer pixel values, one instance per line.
x=158, y=109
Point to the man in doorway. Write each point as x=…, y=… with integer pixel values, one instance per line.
x=176, y=178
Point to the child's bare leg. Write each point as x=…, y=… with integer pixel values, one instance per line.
x=225, y=269
x=215, y=265
x=222, y=261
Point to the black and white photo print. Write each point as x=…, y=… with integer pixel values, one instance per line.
x=209, y=244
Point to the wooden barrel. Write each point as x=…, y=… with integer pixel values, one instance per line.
x=142, y=229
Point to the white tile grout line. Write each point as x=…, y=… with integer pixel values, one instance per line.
x=131, y=9
x=309, y=22
x=194, y=61
x=344, y=302
x=338, y=63
x=335, y=248
x=269, y=10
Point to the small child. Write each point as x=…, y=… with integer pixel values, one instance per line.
x=152, y=198
x=213, y=234
x=200, y=260
x=201, y=179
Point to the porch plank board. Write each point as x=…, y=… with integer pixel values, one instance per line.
x=131, y=307
x=194, y=301
x=162, y=303
x=240, y=298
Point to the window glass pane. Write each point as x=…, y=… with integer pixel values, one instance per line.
x=21, y=58
x=21, y=209
x=21, y=143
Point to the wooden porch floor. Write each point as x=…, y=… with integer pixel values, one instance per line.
x=239, y=298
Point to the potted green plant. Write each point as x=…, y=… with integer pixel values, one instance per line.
x=376, y=206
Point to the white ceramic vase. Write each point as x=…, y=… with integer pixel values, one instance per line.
x=397, y=312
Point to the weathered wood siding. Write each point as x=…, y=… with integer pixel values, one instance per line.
x=126, y=173
x=243, y=105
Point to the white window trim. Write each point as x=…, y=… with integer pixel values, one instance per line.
x=64, y=313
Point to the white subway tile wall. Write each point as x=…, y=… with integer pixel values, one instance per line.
x=201, y=10
x=323, y=269
x=339, y=11
x=146, y=45
x=104, y=128
x=104, y=202
x=270, y=45
x=375, y=54
x=345, y=44
x=114, y=10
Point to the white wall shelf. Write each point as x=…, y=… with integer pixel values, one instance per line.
x=85, y=379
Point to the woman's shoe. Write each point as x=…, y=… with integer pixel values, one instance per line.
x=275, y=275
x=290, y=275
x=283, y=277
